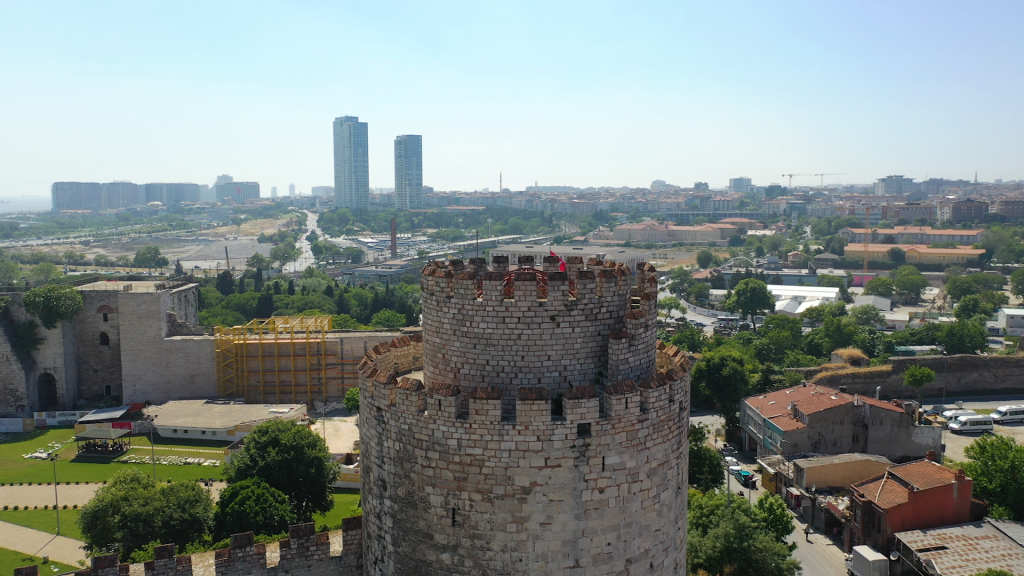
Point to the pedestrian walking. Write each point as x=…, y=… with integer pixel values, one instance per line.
x=807, y=532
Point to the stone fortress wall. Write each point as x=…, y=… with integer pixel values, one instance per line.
x=303, y=553
x=520, y=454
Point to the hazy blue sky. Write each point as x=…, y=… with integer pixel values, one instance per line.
x=586, y=93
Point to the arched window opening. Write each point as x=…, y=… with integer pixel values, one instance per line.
x=104, y=339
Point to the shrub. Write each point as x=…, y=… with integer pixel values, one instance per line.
x=46, y=506
x=74, y=506
x=15, y=507
x=65, y=506
x=5, y=507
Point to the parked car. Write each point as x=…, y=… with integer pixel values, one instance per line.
x=973, y=423
x=732, y=465
x=951, y=415
x=745, y=477
x=1005, y=414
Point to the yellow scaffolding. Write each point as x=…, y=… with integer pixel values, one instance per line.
x=280, y=359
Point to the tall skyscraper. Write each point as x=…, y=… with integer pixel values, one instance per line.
x=291, y=189
x=273, y=191
x=351, y=163
x=408, y=172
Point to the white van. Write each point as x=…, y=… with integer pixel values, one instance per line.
x=951, y=415
x=1005, y=414
x=971, y=424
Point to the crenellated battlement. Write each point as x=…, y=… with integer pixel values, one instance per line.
x=304, y=552
x=446, y=405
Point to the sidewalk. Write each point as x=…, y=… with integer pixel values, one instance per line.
x=29, y=541
x=40, y=496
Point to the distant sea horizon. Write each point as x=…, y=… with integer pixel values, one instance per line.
x=24, y=203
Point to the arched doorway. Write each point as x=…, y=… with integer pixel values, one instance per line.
x=46, y=385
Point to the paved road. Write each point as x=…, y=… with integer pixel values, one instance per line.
x=43, y=495
x=37, y=543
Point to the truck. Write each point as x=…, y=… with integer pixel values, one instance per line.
x=865, y=561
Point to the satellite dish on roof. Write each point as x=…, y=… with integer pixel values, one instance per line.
x=894, y=556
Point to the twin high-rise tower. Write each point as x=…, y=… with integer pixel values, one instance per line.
x=352, y=167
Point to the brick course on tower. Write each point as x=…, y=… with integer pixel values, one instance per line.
x=546, y=434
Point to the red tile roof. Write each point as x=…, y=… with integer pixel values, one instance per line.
x=893, y=488
x=808, y=399
x=787, y=422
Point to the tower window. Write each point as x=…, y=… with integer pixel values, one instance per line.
x=104, y=339
x=105, y=318
x=583, y=429
x=106, y=390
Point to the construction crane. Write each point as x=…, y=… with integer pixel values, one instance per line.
x=867, y=236
x=832, y=174
x=791, y=177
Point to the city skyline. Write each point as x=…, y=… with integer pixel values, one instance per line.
x=754, y=90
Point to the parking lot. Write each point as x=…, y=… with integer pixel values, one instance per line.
x=955, y=443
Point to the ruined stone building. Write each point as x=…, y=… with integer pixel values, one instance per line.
x=140, y=341
x=536, y=426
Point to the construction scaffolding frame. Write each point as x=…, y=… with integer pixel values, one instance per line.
x=279, y=359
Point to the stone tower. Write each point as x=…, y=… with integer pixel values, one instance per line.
x=536, y=426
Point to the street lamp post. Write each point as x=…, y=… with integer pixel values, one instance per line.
x=152, y=448
x=56, y=501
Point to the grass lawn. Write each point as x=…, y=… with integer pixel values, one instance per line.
x=346, y=505
x=74, y=468
x=45, y=521
x=984, y=411
x=9, y=560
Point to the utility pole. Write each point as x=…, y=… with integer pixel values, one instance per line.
x=56, y=503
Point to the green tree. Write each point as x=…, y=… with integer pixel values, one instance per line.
x=722, y=375
x=880, y=286
x=775, y=515
x=993, y=572
x=972, y=306
x=669, y=303
x=291, y=459
x=831, y=281
x=994, y=463
x=53, y=304
x=258, y=260
x=705, y=469
x=149, y=257
x=916, y=377
x=767, y=380
x=387, y=319
x=963, y=337
x=705, y=258
x=961, y=286
x=43, y=272
x=10, y=272
x=351, y=400
x=284, y=252
x=265, y=305
x=252, y=505
x=1017, y=283
x=226, y=283
x=353, y=254
x=866, y=315
x=102, y=261
x=897, y=255
x=291, y=287
x=131, y=511
x=818, y=314
x=732, y=538
x=909, y=283
x=179, y=270
x=241, y=285
x=257, y=280
x=751, y=298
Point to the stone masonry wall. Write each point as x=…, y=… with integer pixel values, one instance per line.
x=303, y=553
x=478, y=333
x=962, y=374
x=509, y=478
x=98, y=365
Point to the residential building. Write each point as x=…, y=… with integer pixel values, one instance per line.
x=217, y=419
x=121, y=194
x=895, y=186
x=233, y=192
x=812, y=418
x=912, y=211
x=351, y=163
x=745, y=223
x=273, y=191
x=1012, y=208
x=408, y=172
x=322, y=190
x=169, y=193
x=913, y=496
x=915, y=253
x=740, y=185
x=966, y=210
x=291, y=190
x=76, y=196
x=962, y=550
x=1011, y=321
x=912, y=235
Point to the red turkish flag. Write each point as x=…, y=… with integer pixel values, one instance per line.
x=561, y=263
